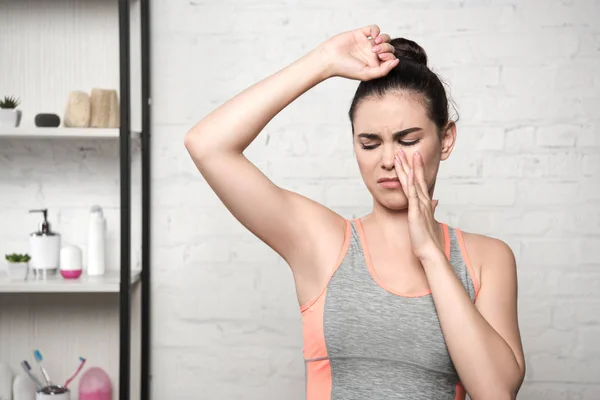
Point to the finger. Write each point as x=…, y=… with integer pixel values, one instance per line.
x=402, y=177
x=386, y=56
x=383, y=69
x=420, y=174
x=405, y=167
x=383, y=48
x=383, y=38
x=404, y=160
x=371, y=31
x=422, y=197
x=413, y=199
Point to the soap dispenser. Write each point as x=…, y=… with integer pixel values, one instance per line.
x=44, y=248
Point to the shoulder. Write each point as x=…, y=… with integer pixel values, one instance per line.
x=486, y=247
x=489, y=256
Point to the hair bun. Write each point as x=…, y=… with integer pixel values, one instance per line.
x=405, y=49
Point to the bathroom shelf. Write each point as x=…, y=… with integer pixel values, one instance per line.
x=108, y=283
x=61, y=133
x=132, y=24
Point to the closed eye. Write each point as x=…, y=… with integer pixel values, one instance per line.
x=403, y=143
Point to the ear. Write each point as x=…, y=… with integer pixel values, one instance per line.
x=448, y=140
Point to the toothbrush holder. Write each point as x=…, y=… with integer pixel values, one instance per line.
x=53, y=392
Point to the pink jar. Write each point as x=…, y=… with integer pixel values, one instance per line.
x=95, y=385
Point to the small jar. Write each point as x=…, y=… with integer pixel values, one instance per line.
x=70, y=262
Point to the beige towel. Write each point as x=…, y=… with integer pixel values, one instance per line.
x=77, y=111
x=105, y=108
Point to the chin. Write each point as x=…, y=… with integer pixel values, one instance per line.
x=395, y=206
x=393, y=201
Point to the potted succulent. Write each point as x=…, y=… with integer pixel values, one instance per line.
x=18, y=266
x=9, y=115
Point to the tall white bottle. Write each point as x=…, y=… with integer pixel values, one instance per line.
x=6, y=378
x=23, y=388
x=96, y=242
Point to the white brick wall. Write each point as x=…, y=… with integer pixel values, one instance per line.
x=526, y=78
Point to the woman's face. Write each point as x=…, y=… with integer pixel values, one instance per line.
x=382, y=126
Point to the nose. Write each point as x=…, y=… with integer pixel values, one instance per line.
x=387, y=157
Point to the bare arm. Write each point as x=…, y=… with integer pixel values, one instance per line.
x=285, y=221
x=233, y=126
x=483, y=338
x=217, y=142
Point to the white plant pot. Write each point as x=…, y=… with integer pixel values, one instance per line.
x=9, y=117
x=18, y=271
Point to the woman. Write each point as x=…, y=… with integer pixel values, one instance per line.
x=395, y=305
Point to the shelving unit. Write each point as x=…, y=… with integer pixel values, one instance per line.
x=125, y=281
x=107, y=283
x=62, y=133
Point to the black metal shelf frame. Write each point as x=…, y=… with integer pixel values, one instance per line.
x=125, y=200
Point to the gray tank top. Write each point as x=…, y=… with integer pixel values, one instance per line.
x=377, y=344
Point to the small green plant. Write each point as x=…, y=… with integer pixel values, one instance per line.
x=17, y=258
x=9, y=102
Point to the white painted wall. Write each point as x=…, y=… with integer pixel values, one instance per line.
x=526, y=78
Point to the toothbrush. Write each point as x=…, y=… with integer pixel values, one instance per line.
x=82, y=360
x=27, y=369
x=38, y=358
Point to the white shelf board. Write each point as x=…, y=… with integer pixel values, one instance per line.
x=60, y=133
x=107, y=283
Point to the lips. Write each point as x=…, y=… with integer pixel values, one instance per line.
x=389, y=183
x=381, y=180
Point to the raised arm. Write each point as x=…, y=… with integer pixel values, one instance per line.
x=295, y=227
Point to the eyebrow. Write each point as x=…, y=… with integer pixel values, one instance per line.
x=395, y=135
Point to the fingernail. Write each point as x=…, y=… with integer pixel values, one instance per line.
x=376, y=48
x=378, y=40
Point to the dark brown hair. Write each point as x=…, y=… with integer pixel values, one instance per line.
x=413, y=75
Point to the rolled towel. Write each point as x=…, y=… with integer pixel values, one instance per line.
x=78, y=110
x=105, y=108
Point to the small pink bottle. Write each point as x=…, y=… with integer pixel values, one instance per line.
x=95, y=385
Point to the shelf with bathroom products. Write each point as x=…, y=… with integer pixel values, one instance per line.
x=107, y=283
x=93, y=45
x=61, y=133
